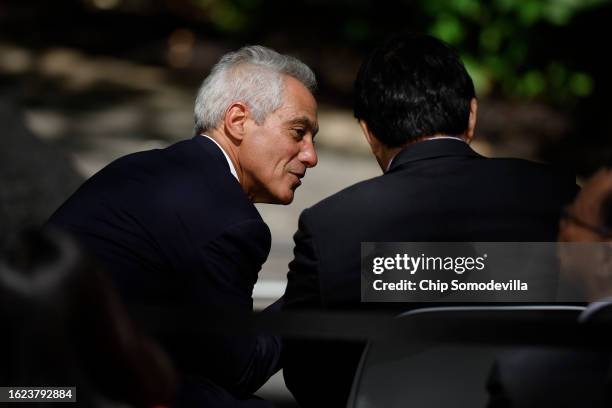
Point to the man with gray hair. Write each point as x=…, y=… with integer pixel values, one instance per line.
x=177, y=226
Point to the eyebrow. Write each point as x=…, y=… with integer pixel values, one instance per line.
x=305, y=121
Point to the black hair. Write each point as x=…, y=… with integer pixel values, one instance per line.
x=413, y=86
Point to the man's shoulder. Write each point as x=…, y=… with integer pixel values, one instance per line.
x=354, y=195
x=416, y=187
x=354, y=200
x=152, y=163
x=519, y=175
x=529, y=167
x=184, y=165
x=182, y=179
x=176, y=156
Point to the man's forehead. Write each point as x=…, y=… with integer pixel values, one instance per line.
x=299, y=107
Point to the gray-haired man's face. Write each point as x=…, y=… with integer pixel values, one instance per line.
x=279, y=151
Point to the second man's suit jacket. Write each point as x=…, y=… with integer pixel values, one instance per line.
x=174, y=228
x=434, y=190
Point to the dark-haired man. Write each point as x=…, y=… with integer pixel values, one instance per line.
x=416, y=105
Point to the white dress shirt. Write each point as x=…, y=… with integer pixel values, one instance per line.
x=229, y=161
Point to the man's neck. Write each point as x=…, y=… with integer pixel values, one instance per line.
x=386, y=157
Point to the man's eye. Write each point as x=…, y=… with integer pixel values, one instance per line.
x=299, y=133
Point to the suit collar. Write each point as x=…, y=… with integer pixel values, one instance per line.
x=227, y=158
x=429, y=149
x=210, y=147
x=212, y=150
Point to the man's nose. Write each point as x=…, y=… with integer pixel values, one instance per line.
x=308, y=154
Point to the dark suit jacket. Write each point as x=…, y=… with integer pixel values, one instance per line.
x=436, y=190
x=174, y=227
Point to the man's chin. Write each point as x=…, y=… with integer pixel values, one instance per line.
x=286, y=200
x=286, y=197
x=283, y=199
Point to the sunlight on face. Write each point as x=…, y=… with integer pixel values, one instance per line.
x=279, y=151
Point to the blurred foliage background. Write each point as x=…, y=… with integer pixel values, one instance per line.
x=535, y=50
x=541, y=49
x=508, y=45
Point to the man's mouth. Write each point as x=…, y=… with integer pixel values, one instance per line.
x=299, y=177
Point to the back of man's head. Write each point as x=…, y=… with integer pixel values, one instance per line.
x=412, y=87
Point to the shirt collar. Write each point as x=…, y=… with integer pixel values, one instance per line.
x=438, y=146
x=229, y=161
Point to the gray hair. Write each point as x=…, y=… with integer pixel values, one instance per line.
x=253, y=75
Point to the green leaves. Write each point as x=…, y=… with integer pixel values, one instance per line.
x=448, y=28
x=509, y=46
x=497, y=40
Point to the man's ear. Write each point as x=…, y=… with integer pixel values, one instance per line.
x=469, y=132
x=235, y=119
x=372, y=140
x=378, y=148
